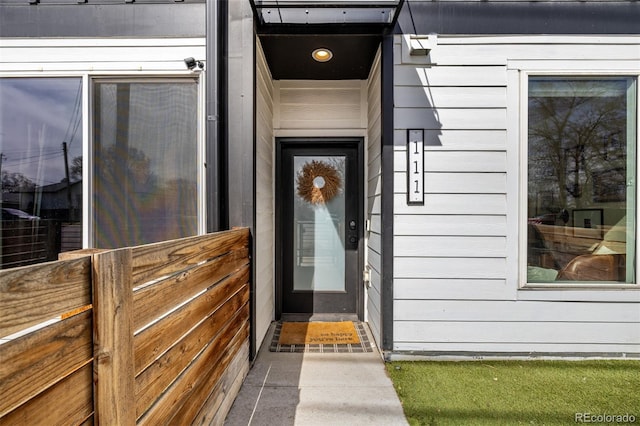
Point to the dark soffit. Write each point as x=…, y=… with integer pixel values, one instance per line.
x=290, y=30
x=184, y=19
x=289, y=56
x=520, y=17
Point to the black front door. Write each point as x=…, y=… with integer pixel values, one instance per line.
x=319, y=226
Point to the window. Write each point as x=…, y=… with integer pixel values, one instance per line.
x=145, y=161
x=581, y=180
x=144, y=172
x=41, y=168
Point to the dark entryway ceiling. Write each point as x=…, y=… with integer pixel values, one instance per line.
x=290, y=30
x=289, y=56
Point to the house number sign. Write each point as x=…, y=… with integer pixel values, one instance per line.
x=415, y=167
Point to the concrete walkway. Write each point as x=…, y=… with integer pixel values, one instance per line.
x=316, y=389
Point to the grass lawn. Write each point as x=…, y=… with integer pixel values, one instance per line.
x=516, y=392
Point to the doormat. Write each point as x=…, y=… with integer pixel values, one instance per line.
x=322, y=337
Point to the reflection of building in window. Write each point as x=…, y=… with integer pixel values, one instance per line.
x=41, y=122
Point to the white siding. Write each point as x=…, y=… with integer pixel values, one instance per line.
x=103, y=55
x=456, y=288
x=374, y=185
x=328, y=105
x=264, y=232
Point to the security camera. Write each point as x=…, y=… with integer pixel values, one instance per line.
x=192, y=64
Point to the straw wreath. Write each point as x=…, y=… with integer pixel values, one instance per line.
x=312, y=193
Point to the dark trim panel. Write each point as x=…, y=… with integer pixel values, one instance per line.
x=321, y=29
x=214, y=109
x=387, y=193
x=277, y=293
x=86, y=20
x=236, y=147
x=502, y=17
x=253, y=350
x=212, y=116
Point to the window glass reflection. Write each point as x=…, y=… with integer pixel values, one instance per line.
x=41, y=168
x=145, y=162
x=581, y=180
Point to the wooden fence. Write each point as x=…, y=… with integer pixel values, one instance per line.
x=148, y=335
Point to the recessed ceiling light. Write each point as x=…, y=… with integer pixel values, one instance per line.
x=322, y=54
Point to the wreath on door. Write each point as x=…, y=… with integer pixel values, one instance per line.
x=318, y=182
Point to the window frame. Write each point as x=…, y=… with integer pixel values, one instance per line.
x=524, y=76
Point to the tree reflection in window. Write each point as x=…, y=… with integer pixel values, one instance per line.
x=580, y=158
x=145, y=161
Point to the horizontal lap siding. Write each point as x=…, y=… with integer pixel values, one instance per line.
x=142, y=55
x=374, y=185
x=517, y=337
x=462, y=162
x=614, y=48
x=453, y=183
x=265, y=233
x=453, y=204
x=458, y=140
x=449, y=246
x=514, y=311
x=517, y=332
x=453, y=289
x=450, y=225
x=309, y=104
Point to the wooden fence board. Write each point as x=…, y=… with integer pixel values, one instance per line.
x=88, y=421
x=217, y=406
x=113, y=338
x=153, y=301
x=183, y=389
x=36, y=361
x=33, y=294
x=158, y=260
x=68, y=402
x=213, y=379
x=155, y=379
x=153, y=341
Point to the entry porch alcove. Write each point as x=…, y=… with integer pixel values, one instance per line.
x=310, y=100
